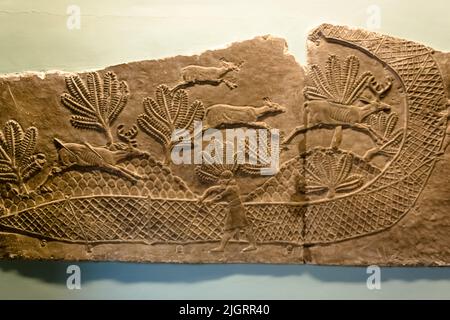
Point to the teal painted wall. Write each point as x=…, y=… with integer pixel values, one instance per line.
x=34, y=36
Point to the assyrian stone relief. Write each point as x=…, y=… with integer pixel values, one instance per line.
x=130, y=163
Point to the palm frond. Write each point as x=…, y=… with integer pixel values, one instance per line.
x=358, y=87
x=84, y=123
x=96, y=105
x=27, y=145
x=74, y=105
x=13, y=135
x=163, y=99
x=350, y=72
x=118, y=101
x=18, y=163
x=178, y=108
x=8, y=177
x=333, y=75
x=213, y=165
x=155, y=128
x=340, y=83
x=319, y=81
x=95, y=93
x=33, y=165
x=384, y=124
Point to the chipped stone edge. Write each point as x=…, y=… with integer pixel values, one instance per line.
x=43, y=74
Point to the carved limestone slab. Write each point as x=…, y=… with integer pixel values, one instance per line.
x=235, y=155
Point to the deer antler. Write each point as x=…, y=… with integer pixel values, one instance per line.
x=267, y=99
x=127, y=136
x=379, y=89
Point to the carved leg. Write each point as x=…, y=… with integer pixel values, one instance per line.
x=182, y=85
x=251, y=239
x=230, y=84
x=177, y=86
x=225, y=238
x=263, y=125
x=381, y=149
x=447, y=142
x=337, y=138
x=57, y=169
x=371, y=153
x=132, y=176
x=293, y=134
x=375, y=136
x=258, y=124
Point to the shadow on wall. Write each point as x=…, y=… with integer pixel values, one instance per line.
x=55, y=272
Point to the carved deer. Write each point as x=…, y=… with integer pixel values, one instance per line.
x=321, y=113
x=326, y=112
x=225, y=115
x=195, y=74
x=85, y=155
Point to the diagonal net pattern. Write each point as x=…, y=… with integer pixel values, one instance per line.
x=276, y=222
x=394, y=192
x=115, y=219
x=52, y=220
x=111, y=214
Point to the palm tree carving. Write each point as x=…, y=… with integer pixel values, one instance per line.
x=331, y=172
x=96, y=105
x=211, y=169
x=18, y=162
x=249, y=161
x=167, y=113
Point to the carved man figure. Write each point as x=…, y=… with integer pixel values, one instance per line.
x=236, y=220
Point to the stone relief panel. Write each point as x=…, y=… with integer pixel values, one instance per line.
x=235, y=155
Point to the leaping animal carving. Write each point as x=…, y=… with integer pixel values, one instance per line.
x=327, y=112
x=194, y=74
x=86, y=155
x=224, y=115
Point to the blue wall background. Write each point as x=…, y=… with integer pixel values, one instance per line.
x=34, y=36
